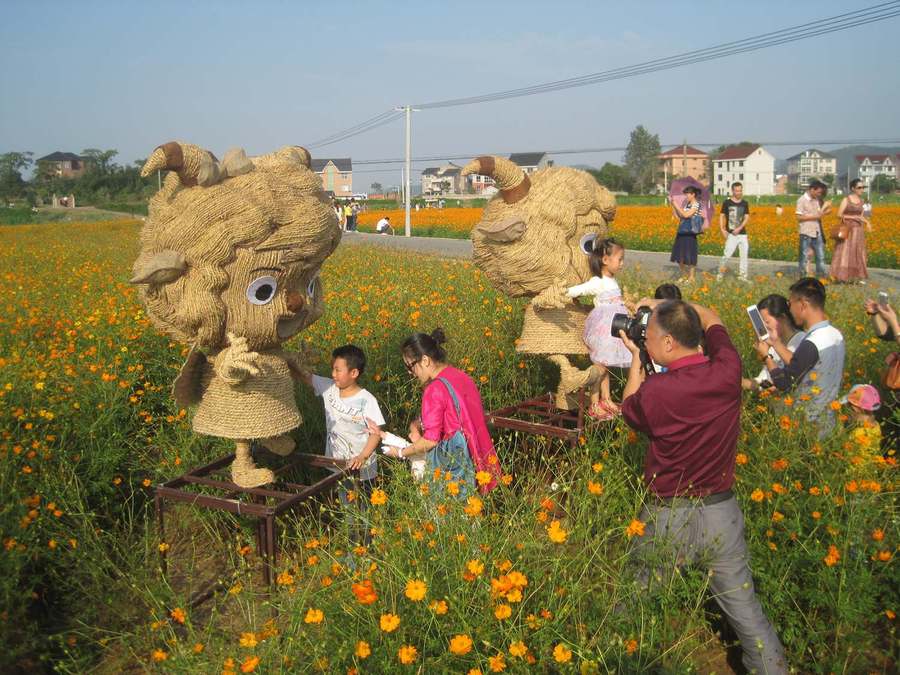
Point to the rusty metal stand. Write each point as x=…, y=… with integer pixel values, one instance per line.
x=263, y=503
x=539, y=416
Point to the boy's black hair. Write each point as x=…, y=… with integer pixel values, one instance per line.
x=681, y=321
x=810, y=289
x=602, y=247
x=736, y=183
x=667, y=292
x=353, y=356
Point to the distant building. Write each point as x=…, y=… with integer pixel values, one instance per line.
x=530, y=162
x=443, y=179
x=809, y=164
x=337, y=175
x=64, y=164
x=876, y=165
x=781, y=184
x=683, y=161
x=750, y=164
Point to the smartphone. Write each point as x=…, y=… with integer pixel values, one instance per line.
x=758, y=324
x=882, y=298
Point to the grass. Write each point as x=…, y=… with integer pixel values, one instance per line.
x=87, y=427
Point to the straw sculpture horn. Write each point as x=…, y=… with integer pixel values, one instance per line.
x=229, y=263
x=533, y=241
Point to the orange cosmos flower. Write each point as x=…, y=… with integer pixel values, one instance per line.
x=415, y=590
x=407, y=654
x=389, y=622
x=460, y=645
x=635, y=528
x=364, y=592
x=562, y=654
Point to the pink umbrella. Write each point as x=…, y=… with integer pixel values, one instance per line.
x=677, y=188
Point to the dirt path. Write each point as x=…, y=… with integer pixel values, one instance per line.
x=657, y=262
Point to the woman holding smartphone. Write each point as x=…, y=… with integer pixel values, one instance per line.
x=784, y=337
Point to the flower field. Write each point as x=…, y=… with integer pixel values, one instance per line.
x=652, y=228
x=534, y=577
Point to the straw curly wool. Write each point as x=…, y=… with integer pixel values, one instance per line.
x=528, y=244
x=229, y=261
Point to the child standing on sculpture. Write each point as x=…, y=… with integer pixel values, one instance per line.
x=347, y=405
x=606, y=260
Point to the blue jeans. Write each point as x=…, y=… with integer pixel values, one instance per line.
x=818, y=245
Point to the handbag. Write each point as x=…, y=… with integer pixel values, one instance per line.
x=891, y=379
x=840, y=232
x=692, y=225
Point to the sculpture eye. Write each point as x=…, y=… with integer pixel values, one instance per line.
x=262, y=290
x=311, y=286
x=587, y=243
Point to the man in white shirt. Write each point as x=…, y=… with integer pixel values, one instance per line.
x=384, y=226
x=810, y=210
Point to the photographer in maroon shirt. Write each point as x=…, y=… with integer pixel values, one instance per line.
x=691, y=414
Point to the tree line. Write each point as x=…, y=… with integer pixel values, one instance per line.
x=102, y=182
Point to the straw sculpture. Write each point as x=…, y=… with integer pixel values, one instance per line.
x=229, y=264
x=533, y=241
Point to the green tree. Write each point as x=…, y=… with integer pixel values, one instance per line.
x=883, y=184
x=640, y=158
x=614, y=177
x=99, y=160
x=376, y=188
x=12, y=164
x=828, y=179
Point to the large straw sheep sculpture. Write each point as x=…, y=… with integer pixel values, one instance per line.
x=533, y=241
x=229, y=264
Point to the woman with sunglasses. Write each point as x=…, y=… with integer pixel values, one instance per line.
x=454, y=438
x=849, y=260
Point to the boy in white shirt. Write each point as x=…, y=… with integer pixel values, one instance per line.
x=347, y=405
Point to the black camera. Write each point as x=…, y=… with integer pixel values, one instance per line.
x=635, y=329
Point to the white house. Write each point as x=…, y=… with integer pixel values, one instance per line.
x=336, y=174
x=440, y=180
x=875, y=165
x=809, y=164
x=530, y=162
x=752, y=165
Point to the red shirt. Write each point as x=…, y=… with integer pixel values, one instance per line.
x=692, y=415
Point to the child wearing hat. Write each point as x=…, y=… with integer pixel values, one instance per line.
x=864, y=400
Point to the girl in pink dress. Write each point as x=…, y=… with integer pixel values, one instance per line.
x=455, y=437
x=607, y=351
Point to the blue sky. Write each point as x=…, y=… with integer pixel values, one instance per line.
x=260, y=75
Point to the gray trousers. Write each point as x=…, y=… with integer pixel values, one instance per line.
x=713, y=536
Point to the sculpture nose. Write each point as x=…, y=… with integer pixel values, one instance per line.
x=295, y=301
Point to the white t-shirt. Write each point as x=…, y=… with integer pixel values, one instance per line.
x=382, y=225
x=346, y=432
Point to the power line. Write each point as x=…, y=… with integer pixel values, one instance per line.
x=839, y=22
x=585, y=151
x=824, y=26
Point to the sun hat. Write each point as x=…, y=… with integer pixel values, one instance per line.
x=863, y=396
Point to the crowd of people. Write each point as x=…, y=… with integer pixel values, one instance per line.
x=688, y=403
x=848, y=260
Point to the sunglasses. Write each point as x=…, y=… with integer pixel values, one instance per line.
x=411, y=365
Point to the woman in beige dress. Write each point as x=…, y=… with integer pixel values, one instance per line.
x=849, y=260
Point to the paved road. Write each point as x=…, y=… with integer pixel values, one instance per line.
x=647, y=260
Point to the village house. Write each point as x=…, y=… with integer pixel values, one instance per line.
x=337, y=175
x=876, y=165
x=750, y=164
x=443, y=179
x=530, y=162
x=809, y=164
x=64, y=164
x=683, y=161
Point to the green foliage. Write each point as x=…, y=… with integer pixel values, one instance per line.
x=613, y=177
x=884, y=184
x=640, y=158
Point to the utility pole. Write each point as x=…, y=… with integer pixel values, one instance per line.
x=409, y=111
